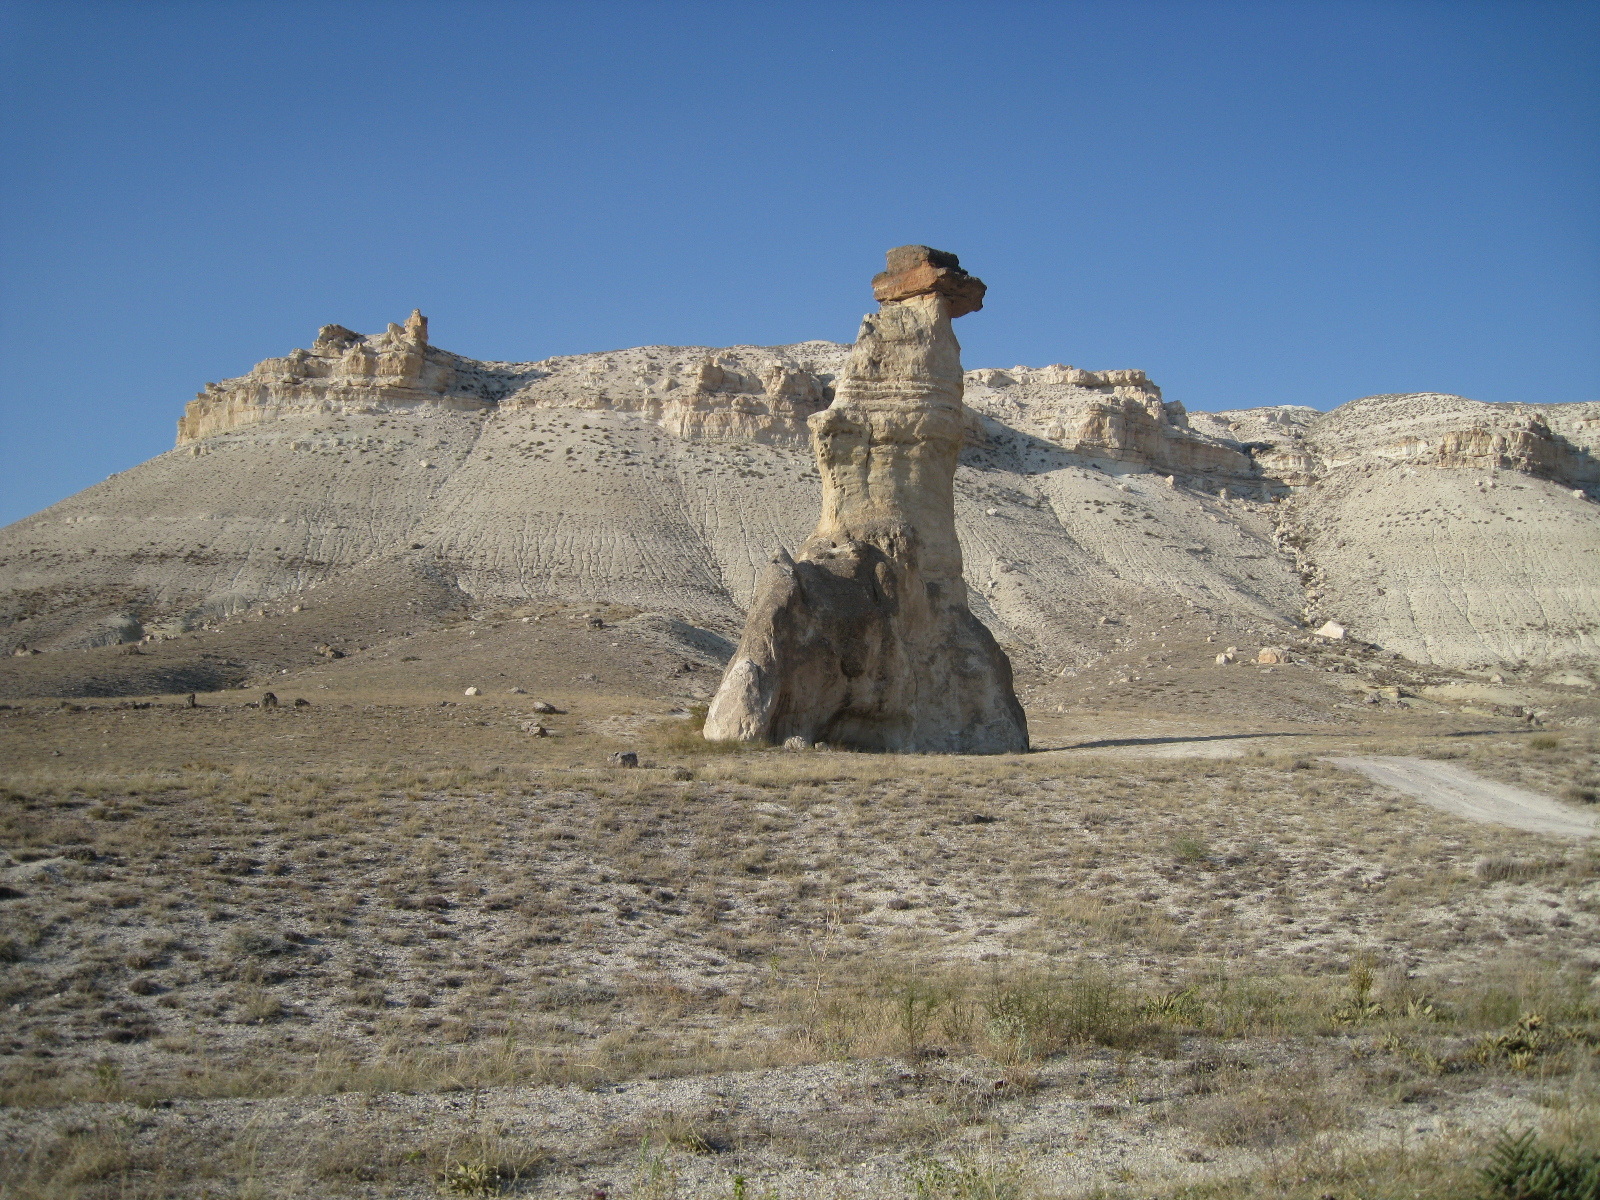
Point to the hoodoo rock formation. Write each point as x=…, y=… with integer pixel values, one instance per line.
x=864, y=639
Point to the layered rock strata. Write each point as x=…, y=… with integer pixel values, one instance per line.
x=766, y=394
x=1435, y=430
x=1452, y=531
x=864, y=638
x=348, y=372
x=749, y=393
x=744, y=393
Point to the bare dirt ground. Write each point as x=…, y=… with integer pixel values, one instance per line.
x=1457, y=790
x=402, y=941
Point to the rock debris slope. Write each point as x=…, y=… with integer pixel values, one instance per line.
x=864, y=638
x=1455, y=532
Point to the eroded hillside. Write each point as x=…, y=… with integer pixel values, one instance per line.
x=1454, y=532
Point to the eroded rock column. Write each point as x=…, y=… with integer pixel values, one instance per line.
x=864, y=639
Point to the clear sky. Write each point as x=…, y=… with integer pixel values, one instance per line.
x=1257, y=203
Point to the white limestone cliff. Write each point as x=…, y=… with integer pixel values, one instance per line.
x=1451, y=530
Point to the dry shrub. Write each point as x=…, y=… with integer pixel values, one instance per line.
x=1036, y=1018
x=696, y=1133
x=88, y=1162
x=968, y=1177
x=1503, y=997
x=1266, y=1110
x=1505, y=869
x=485, y=1165
x=1441, y=1169
x=68, y=1164
x=1014, y=1019
x=685, y=737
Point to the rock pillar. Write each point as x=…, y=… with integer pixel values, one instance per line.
x=863, y=639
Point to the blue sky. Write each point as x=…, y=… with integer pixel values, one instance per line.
x=1257, y=203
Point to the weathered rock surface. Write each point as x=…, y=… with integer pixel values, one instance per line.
x=747, y=392
x=1452, y=531
x=864, y=638
x=346, y=372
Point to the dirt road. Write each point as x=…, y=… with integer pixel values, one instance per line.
x=1457, y=790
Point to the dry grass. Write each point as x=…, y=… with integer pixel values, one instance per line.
x=1564, y=763
x=1265, y=947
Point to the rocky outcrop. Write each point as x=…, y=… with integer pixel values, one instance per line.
x=1113, y=417
x=747, y=393
x=1432, y=430
x=346, y=372
x=864, y=638
x=744, y=392
x=1120, y=417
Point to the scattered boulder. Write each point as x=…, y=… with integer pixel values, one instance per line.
x=327, y=651
x=534, y=728
x=124, y=628
x=1332, y=630
x=1271, y=657
x=1225, y=659
x=471, y=691
x=544, y=706
x=301, y=702
x=796, y=743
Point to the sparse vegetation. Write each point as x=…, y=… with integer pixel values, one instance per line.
x=1229, y=959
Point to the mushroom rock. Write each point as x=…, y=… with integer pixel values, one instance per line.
x=863, y=638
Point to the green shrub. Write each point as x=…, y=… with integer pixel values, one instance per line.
x=1520, y=1168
